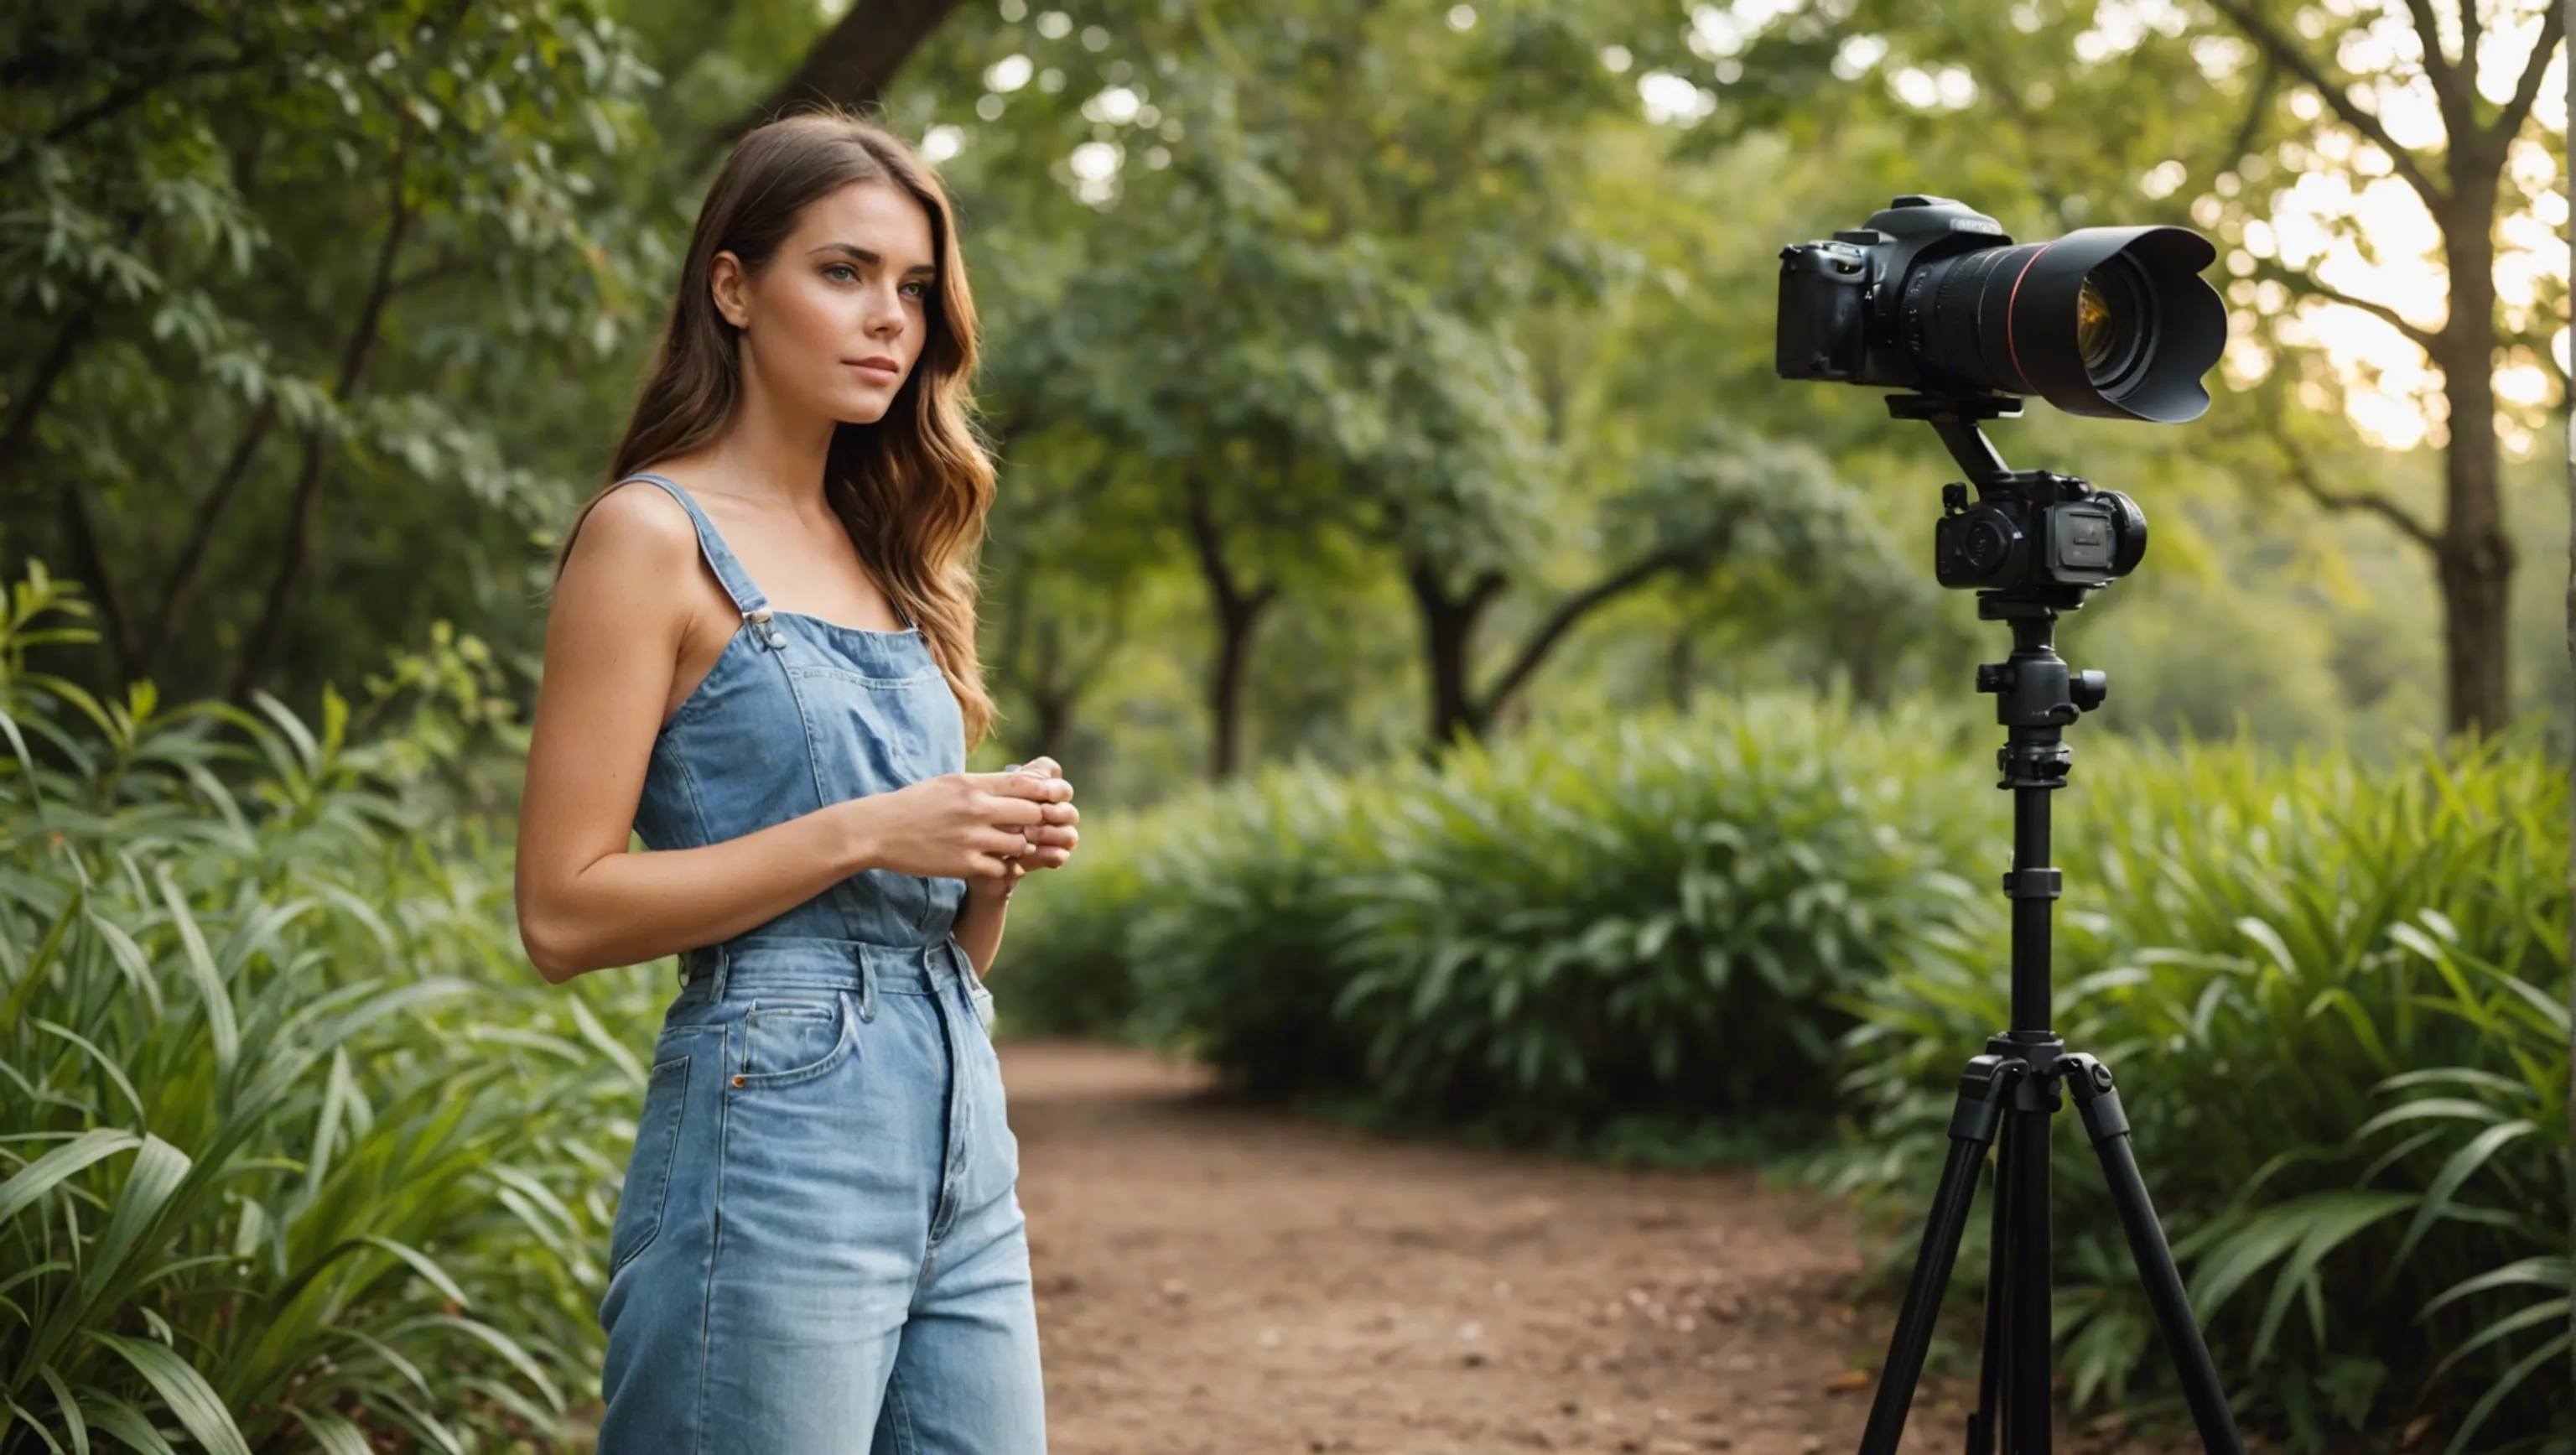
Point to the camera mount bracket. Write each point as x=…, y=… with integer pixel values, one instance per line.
x=1956, y=417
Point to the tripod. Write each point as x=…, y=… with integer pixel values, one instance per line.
x=2008, y=1094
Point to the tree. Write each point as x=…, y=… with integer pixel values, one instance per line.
x=221, y=237
x=2462, y=183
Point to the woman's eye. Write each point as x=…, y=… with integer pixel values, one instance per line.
x=916, y=289
x=841, y=273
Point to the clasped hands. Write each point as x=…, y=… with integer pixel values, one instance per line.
x=1050, y=843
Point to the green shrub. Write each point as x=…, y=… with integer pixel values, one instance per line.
x=1657, y=918
x=1238, y=941
x=296, y=1150
x=2336, y=998
x=1538, y=937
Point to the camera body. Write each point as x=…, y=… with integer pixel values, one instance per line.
x=2036, y=528
x=1833, y=292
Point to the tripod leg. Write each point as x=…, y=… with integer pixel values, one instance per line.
x=2099, y=1105
x=1982, y=1089
x=1998, y=1311
x=2026, y=1395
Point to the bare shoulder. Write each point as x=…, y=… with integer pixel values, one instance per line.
x=636, y=527
x=627, y=552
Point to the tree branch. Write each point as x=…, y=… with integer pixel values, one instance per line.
x=2303, y=473
x=2429, y=340
x=2255, y=111
x=134, y=91
x=2448, y=91
x=2278, y=46
x=1549, y=633
x=2553, y=28
x=851, y=64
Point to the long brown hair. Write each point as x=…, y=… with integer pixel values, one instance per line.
x=911, y=489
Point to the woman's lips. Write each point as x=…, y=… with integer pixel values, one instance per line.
x=876, y=372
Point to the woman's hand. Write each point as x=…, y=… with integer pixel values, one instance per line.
x=1051, y=844
x=979, y=827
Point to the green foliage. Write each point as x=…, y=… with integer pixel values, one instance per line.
x=2335, y=991
x=1656, y=917
x=2336, y=995
x=298, y=1152
x=284, y=285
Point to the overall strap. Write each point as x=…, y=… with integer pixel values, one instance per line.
x=747, y=597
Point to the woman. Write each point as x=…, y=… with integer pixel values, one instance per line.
x=818, y=1246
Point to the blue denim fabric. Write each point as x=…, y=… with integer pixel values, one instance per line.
x=819, y=1245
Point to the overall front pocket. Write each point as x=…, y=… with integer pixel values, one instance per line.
x=794, y=1037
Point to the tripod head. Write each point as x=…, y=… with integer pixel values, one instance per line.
x=2034, y=538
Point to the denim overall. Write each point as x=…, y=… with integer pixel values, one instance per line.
x=818, y=1248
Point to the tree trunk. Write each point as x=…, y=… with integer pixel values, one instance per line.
x=201, y=536
x=292, y=552
x=1238, y=611
x=116, y=623
x=20, y=430
x=1448, y=638
x=1236, y=618
x=1681, y=664
x=852, y=63
x=2475, y=559
x=1055, y=707
x=291, y=555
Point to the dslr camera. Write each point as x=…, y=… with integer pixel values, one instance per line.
x=1933, y=298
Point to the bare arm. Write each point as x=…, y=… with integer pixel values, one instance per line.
x=613, y=642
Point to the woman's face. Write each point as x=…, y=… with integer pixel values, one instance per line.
x=833, y=325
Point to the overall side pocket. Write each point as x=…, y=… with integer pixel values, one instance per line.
x=648, y=1169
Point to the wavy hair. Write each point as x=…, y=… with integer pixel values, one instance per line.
x=912, y=489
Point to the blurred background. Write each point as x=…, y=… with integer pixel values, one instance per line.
x=1500, y=705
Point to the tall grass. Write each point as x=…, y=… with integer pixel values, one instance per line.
x=296, y=1153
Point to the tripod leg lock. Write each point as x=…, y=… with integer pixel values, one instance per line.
x=2095, y=1100
x=1983, y=1088
x=2034, y=883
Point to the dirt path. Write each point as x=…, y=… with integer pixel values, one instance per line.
x=1228, y=1281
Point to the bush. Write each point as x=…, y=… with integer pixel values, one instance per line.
x=297, y=1151
x=1537, y=937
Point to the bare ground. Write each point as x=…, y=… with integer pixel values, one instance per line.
x=1219, y=1280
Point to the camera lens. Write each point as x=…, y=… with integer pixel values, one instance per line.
x=2093, y=323
x=2112, y=321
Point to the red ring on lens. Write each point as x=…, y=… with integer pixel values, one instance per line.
x=2012, y=341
